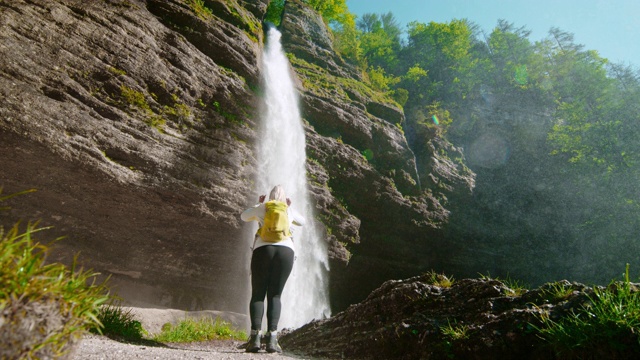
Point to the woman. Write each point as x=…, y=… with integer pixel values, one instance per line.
x=271, y=264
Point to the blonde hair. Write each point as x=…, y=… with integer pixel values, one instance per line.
x=277, y=193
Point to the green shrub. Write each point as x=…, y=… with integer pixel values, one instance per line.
x=119, y=323
x=274, y=12
x=44, y=308
x=607, y=324
x=191, y=330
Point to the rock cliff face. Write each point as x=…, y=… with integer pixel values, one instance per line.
x=136, y=121
x=355, y=141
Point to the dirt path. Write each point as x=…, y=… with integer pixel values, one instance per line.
x=94, y=347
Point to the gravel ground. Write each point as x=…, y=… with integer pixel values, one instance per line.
x=94, y=347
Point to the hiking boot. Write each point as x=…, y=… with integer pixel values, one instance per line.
x=254, y=342
x=272, y=343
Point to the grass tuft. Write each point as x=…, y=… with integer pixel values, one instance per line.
x=119, y=323
x=557, y=291
x=513, y=287
x=45, y=307
x=610, y=320
x=455, y=332
x=440, y=280
x=193, y=330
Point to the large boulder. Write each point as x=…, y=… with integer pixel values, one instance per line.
x=472, y=319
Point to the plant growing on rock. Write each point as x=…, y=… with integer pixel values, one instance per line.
x=513, y=287
x=232, y=118
x=455, y=331
x=200, y=9
x=134, y=98
x=610, y=320
x=440, y=280
x=179, y=112
x=44, y=308
x=559, y=290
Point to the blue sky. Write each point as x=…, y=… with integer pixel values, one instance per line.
x=612, y=27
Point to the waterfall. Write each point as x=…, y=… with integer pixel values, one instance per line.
x=281, y=159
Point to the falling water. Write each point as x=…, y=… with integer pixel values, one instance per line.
x=281, y=158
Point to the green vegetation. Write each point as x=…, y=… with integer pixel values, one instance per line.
x=249, y=24
x=200, y=9
x=513, y=287
x=179, y=112
x=191, y=330
x=229, y=116
x=610, y=319
x=274, y=12
x=516, y=287
x=576, y=116
x=332, y=11
x=321, y=82
x=557, y=291
x=118, y=323
x=440, y=280
x=45, y=305
x=455, y=332
x=134, y=98
x=156, y=121
x=116, y=71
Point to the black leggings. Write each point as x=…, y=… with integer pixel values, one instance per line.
x=270, y=269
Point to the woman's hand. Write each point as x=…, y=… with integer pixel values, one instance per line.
x=261, y=198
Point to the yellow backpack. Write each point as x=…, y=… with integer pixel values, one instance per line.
x=276, y=222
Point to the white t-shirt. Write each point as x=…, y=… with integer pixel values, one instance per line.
x=257, y=213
